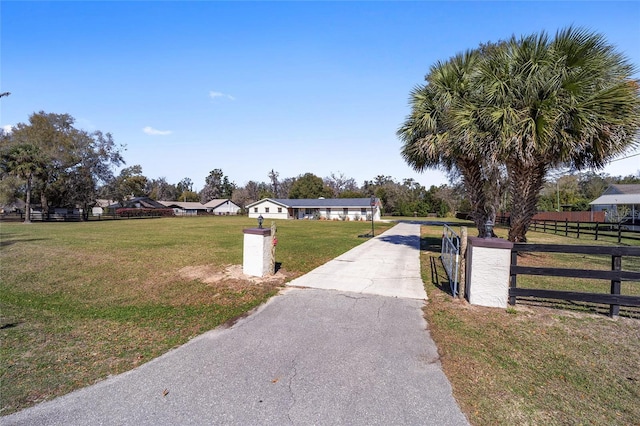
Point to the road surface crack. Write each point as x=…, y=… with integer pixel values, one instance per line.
x=291, y=393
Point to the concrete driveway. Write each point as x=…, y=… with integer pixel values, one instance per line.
x=337, y=354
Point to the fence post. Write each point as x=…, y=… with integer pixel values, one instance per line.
x=597, y=231
x=616, y=265
x=544, y=226
x=514, y=277
x=566, y=227
x=555, y=227
x=463, y=262
x=578, y=231
x=619, y=232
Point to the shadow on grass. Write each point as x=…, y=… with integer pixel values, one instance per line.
x=439, y=278
x=430, y=244
x=6, y=243
x=583, y=307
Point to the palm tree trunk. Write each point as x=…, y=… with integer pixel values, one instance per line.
x=526, y=181
x=482, y=181
x=27, y=204
x=45, y=205
x=474, y=184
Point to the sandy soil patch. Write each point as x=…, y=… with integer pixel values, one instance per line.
x=229, y=275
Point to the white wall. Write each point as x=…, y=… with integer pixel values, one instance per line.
x=353, y=213
x=226, y=208
x=268, y=210
x=335, y=213
x=488, y=269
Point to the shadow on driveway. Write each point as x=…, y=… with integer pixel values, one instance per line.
x=407, y=240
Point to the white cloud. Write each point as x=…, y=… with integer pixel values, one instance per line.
x=7, y=128
x=213, y=95
x=151, y=131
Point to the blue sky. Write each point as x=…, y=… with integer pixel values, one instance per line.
x=247, y=87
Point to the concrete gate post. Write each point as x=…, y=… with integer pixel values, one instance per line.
x=488, y=271
x=257, y=252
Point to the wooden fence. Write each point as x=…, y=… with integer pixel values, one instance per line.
x=588, y=230
x=68, y=217
x=616, y=275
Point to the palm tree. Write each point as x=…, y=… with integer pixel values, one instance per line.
x=432, y=137
x=24, y=161
x=569, y=101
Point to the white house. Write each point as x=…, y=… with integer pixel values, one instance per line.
x=101, y=207
x=222, y=206
x=185, y=208
x=316, y=208
x=621, y=203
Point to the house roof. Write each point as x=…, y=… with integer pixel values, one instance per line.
x=212, y=204
x=104, y=203
x=319, y=202
x=622, y=189
x=16, y=204
x=186, y=205
x=616, y=199
x=619, y=194
x=145, y=202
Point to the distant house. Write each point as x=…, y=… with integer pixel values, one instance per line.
x=101, y=207
x=620, y=202
x=138, y=203
x=185, y=208
x=222, y=206
x=15, y=206
x=315, y=208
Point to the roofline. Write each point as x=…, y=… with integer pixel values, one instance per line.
x=302, y=205
x=266, y=199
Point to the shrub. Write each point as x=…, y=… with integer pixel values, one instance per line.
x=126, y=212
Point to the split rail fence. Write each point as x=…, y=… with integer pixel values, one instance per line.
x=616, y=275
x=588, y=230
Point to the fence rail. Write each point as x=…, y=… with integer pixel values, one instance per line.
x=616, y=275
x=588, y=230
x=68, y=217
x=450, y=255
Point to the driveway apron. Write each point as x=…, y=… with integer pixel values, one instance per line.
x=346, y=344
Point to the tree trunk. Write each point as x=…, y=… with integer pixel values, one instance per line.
x=45, y=205
x=483, y=183
x=27, y=204
x=526, y=182
x=474, y=184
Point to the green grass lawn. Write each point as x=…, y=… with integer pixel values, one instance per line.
x=81, y=301
x=535, y=365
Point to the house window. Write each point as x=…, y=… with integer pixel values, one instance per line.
x=345, y=211
x=279, y=209
x=363, y=211
x=255, y=210
x=266, y=209
x=328, y=212
x=307, y=211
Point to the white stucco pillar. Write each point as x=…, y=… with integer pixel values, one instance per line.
x=487, y=273
x=256, y=257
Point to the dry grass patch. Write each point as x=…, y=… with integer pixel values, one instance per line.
x=533, y=365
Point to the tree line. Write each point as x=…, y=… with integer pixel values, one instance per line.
x=50, y=162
